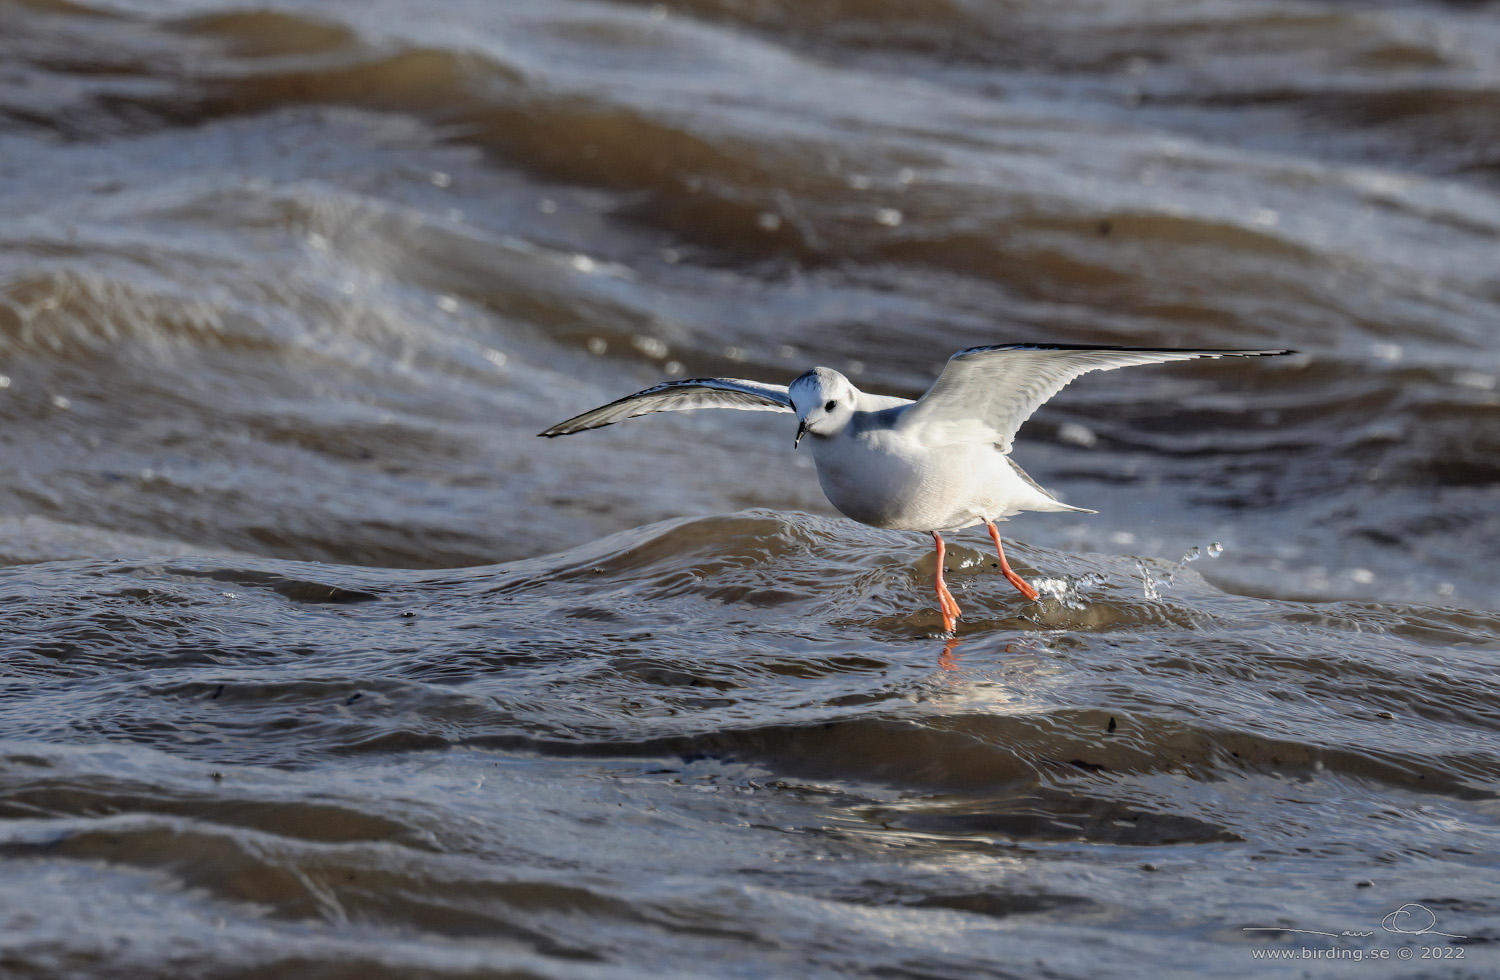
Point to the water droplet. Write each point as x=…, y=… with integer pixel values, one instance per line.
x=597, y=345
x=1215, y=550
x=1078, y=435
x=439, y=179
x=890, y=217
x=1193, y=554
x=648, y=345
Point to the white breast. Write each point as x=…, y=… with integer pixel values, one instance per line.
x=880, y=477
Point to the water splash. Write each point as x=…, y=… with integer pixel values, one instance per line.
x=1151, y=582
x=1154, y=582
x=1069, y=590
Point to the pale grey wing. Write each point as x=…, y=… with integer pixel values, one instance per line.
x=678, y=396
x=998, y=388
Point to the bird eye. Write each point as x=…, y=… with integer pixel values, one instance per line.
x=830, y=406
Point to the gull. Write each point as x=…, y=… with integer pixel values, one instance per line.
x=938, y=464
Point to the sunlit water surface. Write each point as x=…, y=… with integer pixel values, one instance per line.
x=317, y=663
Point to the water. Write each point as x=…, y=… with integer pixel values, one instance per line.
x=318, y=663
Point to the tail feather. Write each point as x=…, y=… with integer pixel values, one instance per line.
x=1051, y=504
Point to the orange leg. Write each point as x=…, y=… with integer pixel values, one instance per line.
x=946, y=602
x=1012, y=577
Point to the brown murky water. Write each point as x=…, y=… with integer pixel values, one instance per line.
x=317, y=663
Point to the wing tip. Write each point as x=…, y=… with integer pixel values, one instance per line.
x=568, y=428
x=1148, y=354
x=1113, y=348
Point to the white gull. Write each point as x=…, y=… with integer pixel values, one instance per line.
x=940, y=463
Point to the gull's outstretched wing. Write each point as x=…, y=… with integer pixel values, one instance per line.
x=678, y=396
x=999, y=387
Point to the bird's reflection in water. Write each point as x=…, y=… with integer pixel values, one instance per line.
x=948, y=659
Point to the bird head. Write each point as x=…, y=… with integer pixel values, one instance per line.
x=824, y=402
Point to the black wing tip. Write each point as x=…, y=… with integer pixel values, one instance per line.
x=568, y=428
x=564, y=429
